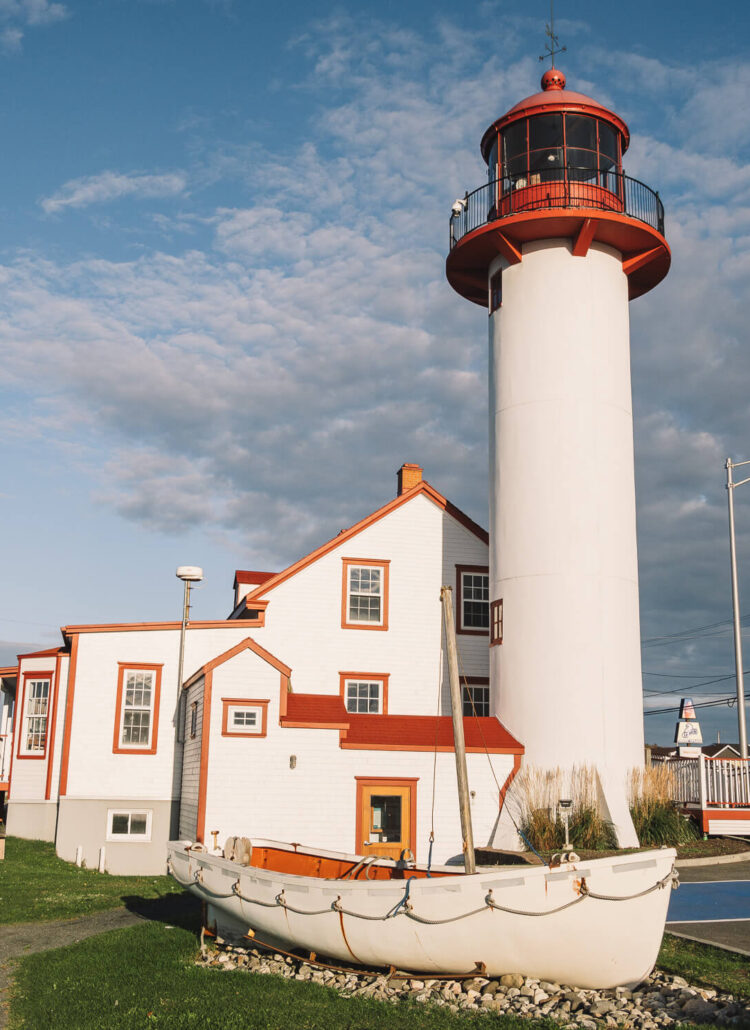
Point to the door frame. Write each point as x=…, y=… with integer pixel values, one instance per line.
x=400, y=782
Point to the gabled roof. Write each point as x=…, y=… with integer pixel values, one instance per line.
x=248, y=644
x=423, y=489
x=251, y=576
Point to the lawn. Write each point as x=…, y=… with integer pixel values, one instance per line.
x=36, y=885
x=705, y=966
x=145, y=976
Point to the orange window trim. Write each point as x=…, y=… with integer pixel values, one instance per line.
x=386, y=781
x=15, y=731
x=494, y=607
x=117, y=748
x=47, y=674
x=51, y=727
x=376, y=563
x=246, y=702
x=478, y=570
x=380, y=677
x=65, y=756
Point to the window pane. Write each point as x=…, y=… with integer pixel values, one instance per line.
x=607, y=142
x=476, y=700
x=492, y=162
x=386, y=818
x=580, y=131
x=120, y=822
x=545, y=132
x=138, y=825
x=514, y=141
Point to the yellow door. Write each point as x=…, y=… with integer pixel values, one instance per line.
x=385, y=820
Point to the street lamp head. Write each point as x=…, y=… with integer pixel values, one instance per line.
x=189, y=573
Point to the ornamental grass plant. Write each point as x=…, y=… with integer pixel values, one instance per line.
x=652, y=792
x=535, y=795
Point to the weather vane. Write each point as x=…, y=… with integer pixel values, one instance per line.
x=553, y=46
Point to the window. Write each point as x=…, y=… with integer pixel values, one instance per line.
x=36, y=696
x=364, y=602
x=496, y=624
x=134, y=826
x=364, y=693
x=475, y=692
x=496, y=291
x=244, y=717
x=137, y=708
x=472, y=599
x=193, y=720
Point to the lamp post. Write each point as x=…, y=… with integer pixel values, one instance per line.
x=188, y=574
x=731, y=486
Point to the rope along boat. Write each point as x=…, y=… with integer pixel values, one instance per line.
x=595, y=924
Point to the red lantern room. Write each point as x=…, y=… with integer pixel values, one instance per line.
x=554, y=166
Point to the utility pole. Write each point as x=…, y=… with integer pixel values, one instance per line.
x=731, y=487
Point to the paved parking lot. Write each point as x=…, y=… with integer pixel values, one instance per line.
x=712, y=905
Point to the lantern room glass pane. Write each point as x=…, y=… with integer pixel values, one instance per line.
x=580, y=131
x=607, y=146
x=492, y=162
x=514, y=148
x=545, y=131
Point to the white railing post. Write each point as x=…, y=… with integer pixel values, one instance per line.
x=702, y=781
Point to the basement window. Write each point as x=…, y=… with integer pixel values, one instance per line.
x=126, y=825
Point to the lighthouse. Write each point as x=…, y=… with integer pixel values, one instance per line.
x=556, y=244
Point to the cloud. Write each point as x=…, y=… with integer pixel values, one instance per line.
x=17, y=15
x=108, y=186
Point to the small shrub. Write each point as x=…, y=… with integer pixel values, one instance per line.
x=655, y=817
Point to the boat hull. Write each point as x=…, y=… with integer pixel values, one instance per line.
x=593, y=924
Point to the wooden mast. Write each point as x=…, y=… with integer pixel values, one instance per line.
x=446, y=596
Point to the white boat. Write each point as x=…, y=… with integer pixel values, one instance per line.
x=591, y=924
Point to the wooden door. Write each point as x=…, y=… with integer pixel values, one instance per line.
x=385, y=819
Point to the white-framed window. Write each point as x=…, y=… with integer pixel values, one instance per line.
x=364, y=697
x=124, y=825
x=244, y=718
x=472, y=599
x=33, y=740
x=476, y=698
x=365, y=594
x=138, y=689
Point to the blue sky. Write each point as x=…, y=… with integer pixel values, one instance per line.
x=224, y=321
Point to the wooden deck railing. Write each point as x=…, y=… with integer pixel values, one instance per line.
x=713, y=782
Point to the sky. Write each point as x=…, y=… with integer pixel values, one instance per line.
x=224, y=319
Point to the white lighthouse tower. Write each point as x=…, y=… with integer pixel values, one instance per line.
x=556, y=244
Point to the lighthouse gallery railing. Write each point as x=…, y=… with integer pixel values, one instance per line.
x=569, y=188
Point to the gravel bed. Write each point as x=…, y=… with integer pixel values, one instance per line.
x=660, y=1001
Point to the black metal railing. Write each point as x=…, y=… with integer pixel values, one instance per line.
x=602, y=190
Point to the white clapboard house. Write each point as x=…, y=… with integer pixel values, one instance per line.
x=318, y=711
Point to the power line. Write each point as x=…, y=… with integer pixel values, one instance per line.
x=702, y=704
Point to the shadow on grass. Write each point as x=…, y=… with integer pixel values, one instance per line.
x=183, y=910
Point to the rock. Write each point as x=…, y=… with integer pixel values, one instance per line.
x=490, y=987
x=527, y=992
x=511, y=980
x=601, y=1008
x=575, y=1001
x=550, y=988
x=540, y=996
x=698, y=1010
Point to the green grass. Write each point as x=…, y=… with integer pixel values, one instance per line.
x=145, y=976
x=705, y=966
x=36, y=885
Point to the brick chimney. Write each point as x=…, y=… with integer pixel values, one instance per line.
x=409, y=476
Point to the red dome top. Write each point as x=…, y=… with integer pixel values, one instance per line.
x=555, y=97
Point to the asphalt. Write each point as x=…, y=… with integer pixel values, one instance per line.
x=717, y=913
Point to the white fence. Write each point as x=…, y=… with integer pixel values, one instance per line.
x=718, y=782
